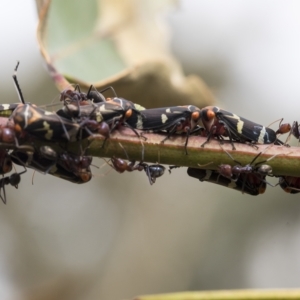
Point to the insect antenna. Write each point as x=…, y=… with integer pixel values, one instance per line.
x=16, y=83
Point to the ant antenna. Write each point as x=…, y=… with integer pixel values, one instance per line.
x=32, y=177
x=16, y=83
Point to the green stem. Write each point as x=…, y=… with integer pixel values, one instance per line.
x=226, y=295
x=171, y=152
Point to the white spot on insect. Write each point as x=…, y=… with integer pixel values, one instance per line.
x=168, y=110
x=261, y=135
x=239, y=124
x=99, y=116
x=48, y=113
x=139, y=123
x=49, y=131
x=139, y=107
x=5, y=106
x=164, y=118
x=207, y=175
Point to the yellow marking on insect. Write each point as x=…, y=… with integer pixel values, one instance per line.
x=49, y=131
x=102, y=108
x=207, y=175
x=164, y=118
x=139, y=123
x=48, y=113
x=5, y=111
x=5, y=106
x=99, y=116
x=239, y=124
x=261, y=135
x=139, y=107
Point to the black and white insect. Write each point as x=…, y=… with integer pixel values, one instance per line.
x=100, y=116
x=221, y=123
x=171, y=120
x=67, y=166
x=213, y=176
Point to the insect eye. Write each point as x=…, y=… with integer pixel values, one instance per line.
x=196, y=116
x=210, y=114
x=128, y=113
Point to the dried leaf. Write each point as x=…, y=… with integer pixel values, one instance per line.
x=124, y=44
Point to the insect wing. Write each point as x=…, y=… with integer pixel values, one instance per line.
x=110, y=112
x=43, y=124
x=213, y=176
x=158, y=119
x=242, y=129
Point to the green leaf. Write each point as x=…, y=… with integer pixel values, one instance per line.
x=118, y=43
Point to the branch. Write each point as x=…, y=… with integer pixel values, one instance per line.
x=227, y=294
x=171, y=152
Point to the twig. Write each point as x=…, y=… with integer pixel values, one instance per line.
x=171, y=152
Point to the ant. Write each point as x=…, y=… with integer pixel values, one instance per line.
x=153, y=171
x=252, y=174
x=13, y=179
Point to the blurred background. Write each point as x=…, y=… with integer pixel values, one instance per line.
x=117, y=237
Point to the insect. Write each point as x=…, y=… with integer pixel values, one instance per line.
x=74, y=168
x=290, y=184
x=293, y=130
x=253, y=174
x=213, y=176
x=153, y=171
x=43, y=124
x=5, y=161
x=219, y=123
x=75, y=95
x=39, y=122
x=79, y=165
x=131, y=111
x=172, y=120
x=94, y=110
x=101, y=117
x=7, y=109
x=284, y=128
x=13, y=179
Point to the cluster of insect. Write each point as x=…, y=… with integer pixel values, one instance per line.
x=25, y=126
